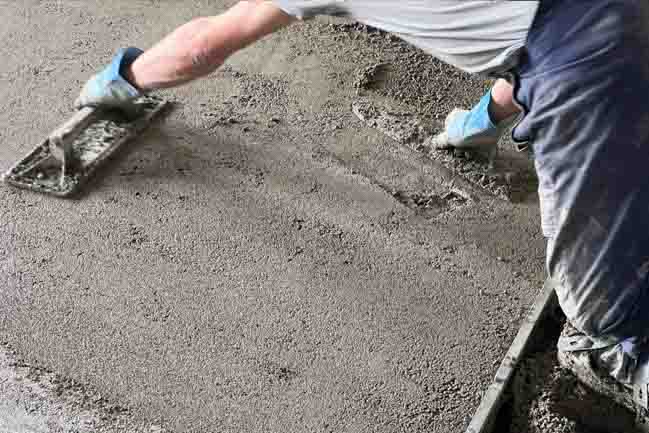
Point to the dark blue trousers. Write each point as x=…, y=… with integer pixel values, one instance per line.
x=584, y=85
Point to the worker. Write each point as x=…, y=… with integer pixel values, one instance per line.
x=576, y=72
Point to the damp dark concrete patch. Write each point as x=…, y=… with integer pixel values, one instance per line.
x=531, y=393
x=546, y=398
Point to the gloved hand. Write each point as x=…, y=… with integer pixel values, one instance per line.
x=110, y=88
x=473, y=130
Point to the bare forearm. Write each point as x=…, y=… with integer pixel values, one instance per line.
x=199, y=47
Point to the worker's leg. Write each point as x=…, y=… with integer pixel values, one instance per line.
x=481, y=127
x=587, y=117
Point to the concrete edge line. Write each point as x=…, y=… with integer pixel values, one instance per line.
x=485, y=415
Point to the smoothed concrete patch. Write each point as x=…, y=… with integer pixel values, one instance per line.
x=36, y=401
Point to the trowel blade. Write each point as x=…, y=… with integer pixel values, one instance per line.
x=66, y=160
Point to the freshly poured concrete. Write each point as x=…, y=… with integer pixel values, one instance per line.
x=260, y=261
x=38, y=401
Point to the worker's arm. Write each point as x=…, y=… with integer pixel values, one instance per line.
x=190, y=52
x=202, y=45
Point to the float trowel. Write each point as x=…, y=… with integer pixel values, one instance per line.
x=63, y=163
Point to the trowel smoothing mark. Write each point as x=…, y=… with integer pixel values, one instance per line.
x=37, y=401
x=406, y=128
x=409, y=130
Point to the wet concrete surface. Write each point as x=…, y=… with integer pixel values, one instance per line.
x=262, y=260
x=545, y=397
x=35, y=400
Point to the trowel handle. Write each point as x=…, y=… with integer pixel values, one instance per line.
x=73, y=126
x=62, y=138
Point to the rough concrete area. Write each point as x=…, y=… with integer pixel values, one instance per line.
x=263, y=260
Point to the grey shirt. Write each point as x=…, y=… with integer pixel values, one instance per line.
x=475, y=36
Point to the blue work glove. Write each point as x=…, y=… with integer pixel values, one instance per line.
x=110, y=88
x=473, y=130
